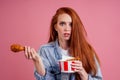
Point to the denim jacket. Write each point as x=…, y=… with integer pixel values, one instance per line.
x=50, y=54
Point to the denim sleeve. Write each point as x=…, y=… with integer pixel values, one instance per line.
x=38, y=76
x=46, y=63
x=48, y=76
x=98, y=76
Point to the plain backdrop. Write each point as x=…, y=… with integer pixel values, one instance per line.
x=26, y=22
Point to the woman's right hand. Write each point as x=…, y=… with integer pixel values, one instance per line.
x=30, y=53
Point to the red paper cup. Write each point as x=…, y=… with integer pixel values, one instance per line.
x=65, y=66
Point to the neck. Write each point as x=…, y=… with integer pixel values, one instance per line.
x=63, y=44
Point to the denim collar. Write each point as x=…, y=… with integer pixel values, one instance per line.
x=58, y=50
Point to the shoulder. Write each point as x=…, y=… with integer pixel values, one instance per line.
x=48, y=46
x=47, y=49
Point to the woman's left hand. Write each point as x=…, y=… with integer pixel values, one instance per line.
x=78, y=67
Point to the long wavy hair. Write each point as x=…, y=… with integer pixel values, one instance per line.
x=79, y=46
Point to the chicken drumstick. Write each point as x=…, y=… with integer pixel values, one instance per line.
x=17, y=48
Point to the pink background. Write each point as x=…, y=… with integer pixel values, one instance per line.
x=27, y=22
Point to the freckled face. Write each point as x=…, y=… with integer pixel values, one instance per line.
x=63, y=26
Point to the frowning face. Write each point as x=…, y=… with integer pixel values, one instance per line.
x=63, y=27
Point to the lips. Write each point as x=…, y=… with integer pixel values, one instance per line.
x=66, y=34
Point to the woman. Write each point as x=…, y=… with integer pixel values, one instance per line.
x=67, y=38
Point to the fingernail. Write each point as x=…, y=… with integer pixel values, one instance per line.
x=73, y=69
x=73, y=62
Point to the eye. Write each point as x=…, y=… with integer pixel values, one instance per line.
x=62, y=23
x=70, y=24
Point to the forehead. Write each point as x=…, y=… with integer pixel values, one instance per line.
x=64, y=17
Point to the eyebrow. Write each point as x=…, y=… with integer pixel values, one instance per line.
x=62, y=22
x=65, y=22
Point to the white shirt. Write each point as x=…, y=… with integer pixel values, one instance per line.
x=65, y=54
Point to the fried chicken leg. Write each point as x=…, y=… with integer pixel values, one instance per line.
x=17, y=48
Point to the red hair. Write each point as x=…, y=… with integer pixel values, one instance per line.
x=79, y=46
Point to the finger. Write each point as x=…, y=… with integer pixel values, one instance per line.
x=78, y=69
x=33, y=50
x=35, y=54
x=26, y=52
x=77, y=64
x=29, y=53
x=32, y=54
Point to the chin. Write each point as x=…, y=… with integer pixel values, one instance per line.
x=67, y=39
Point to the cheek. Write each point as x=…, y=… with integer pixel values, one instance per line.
x=59, y=32
x=70, y=29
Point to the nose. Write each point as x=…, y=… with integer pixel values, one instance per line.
x=67, y=27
